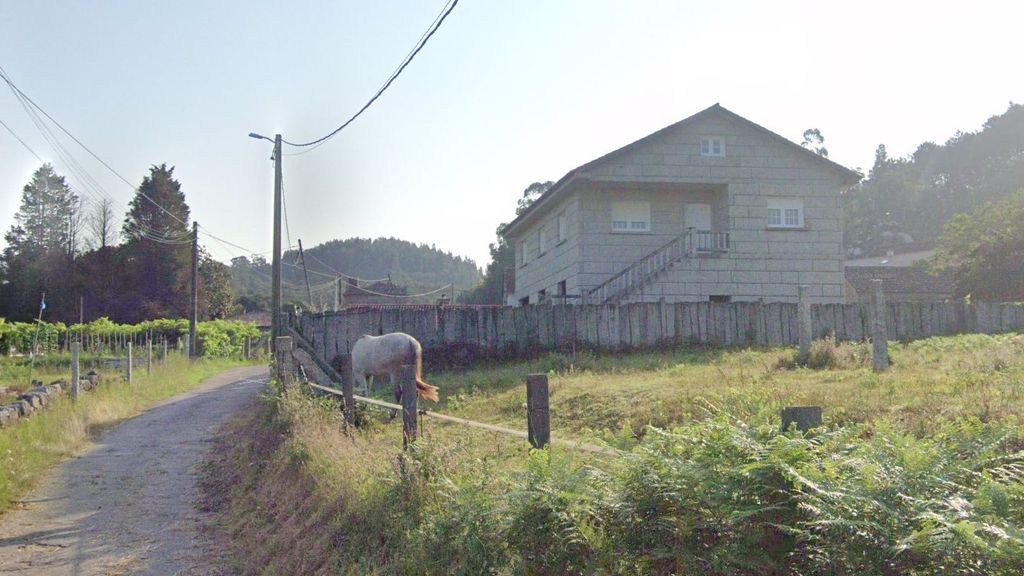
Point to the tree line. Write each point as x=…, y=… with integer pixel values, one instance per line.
x=68, y=249
x=416, y=267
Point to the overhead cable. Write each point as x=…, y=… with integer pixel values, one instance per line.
x=445, y=11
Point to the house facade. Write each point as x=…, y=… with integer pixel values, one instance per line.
x=714, y=207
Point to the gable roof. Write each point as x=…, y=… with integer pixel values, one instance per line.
x=849, y=176
x=902, y=282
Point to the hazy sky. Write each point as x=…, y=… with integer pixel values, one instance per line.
x=506, y=93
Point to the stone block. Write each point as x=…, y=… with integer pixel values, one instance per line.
x=9, y=414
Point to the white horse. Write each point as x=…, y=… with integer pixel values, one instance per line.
x=384, y=355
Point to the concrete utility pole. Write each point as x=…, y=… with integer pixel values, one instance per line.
x=337, y=294
x=193, y=317
x=275, y=264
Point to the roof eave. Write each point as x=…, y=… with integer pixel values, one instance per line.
x=544, y=198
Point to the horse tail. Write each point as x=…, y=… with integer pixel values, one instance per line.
x=424, y=390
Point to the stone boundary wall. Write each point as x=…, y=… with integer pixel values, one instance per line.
x=511, y=332
x=38, y=398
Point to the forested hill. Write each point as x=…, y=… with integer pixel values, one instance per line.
x=904, y=203
x=418, y=267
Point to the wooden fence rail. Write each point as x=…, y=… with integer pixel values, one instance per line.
x=572, y=444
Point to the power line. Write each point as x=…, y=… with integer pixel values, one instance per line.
x=76, y=168
x=3, y=75
x=435, y=291
x=445, y=11
x=342, y=274
x=18, y=138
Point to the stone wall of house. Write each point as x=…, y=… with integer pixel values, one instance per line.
x=560, y=262
x=762, y=264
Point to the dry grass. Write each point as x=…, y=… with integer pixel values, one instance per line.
x=930, y=380
x=302, y=496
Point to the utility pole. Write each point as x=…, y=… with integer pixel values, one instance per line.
x=81, y=309
x=275, y=290
x=193, y=316
x=275, y=265
x=337, y=294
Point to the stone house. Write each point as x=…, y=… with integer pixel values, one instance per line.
x=712, y=208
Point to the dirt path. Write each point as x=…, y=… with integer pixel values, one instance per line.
x=127, y=505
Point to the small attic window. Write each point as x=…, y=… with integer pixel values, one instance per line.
x=712, y=146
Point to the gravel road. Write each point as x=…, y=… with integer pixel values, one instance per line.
x=127, y=504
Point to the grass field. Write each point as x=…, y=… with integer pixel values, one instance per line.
x=919, y=470
x=32, y=446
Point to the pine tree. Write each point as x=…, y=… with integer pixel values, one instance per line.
x=43, y=222
x=38, y=244
x=156, y=251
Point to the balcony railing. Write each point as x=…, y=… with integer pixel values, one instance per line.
x=686, y=245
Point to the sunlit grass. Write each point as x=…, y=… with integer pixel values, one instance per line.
x=323, y=501
x=32, y=446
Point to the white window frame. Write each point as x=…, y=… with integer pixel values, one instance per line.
x=522, y=253
x=631, y=217
x=542, y=240
x=786, y=213
x=712, y=146
x=563, y=227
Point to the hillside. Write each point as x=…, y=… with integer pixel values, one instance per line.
x=418, y=267
x=904, y=203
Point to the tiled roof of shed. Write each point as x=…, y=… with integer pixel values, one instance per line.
x=901, y=280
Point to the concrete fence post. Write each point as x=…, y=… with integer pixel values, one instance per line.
x=282, y=360
x=804, y=417
x=75, y=389
x=149, y=356
x=538, y=422
x=187, y=347
x=347, y=384
x=410, y=403
x=163, y=359
x=879, y=329
x=804, y=324
x=128, y=373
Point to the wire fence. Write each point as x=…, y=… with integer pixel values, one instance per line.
x=537, y=413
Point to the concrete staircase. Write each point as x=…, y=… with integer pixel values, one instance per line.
x=689, y=244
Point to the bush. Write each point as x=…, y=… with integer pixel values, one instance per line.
x=827, y=354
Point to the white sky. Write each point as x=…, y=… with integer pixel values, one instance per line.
x=506, y=93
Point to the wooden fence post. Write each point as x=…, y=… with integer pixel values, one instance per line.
x=805, y=417
x=879, y=329
x=347, y=383
x=538, y=422
x=803, y=309
x=283, y=345
x=410, y=401
x=128, y=347
x=149, y=356
x=75, y=347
